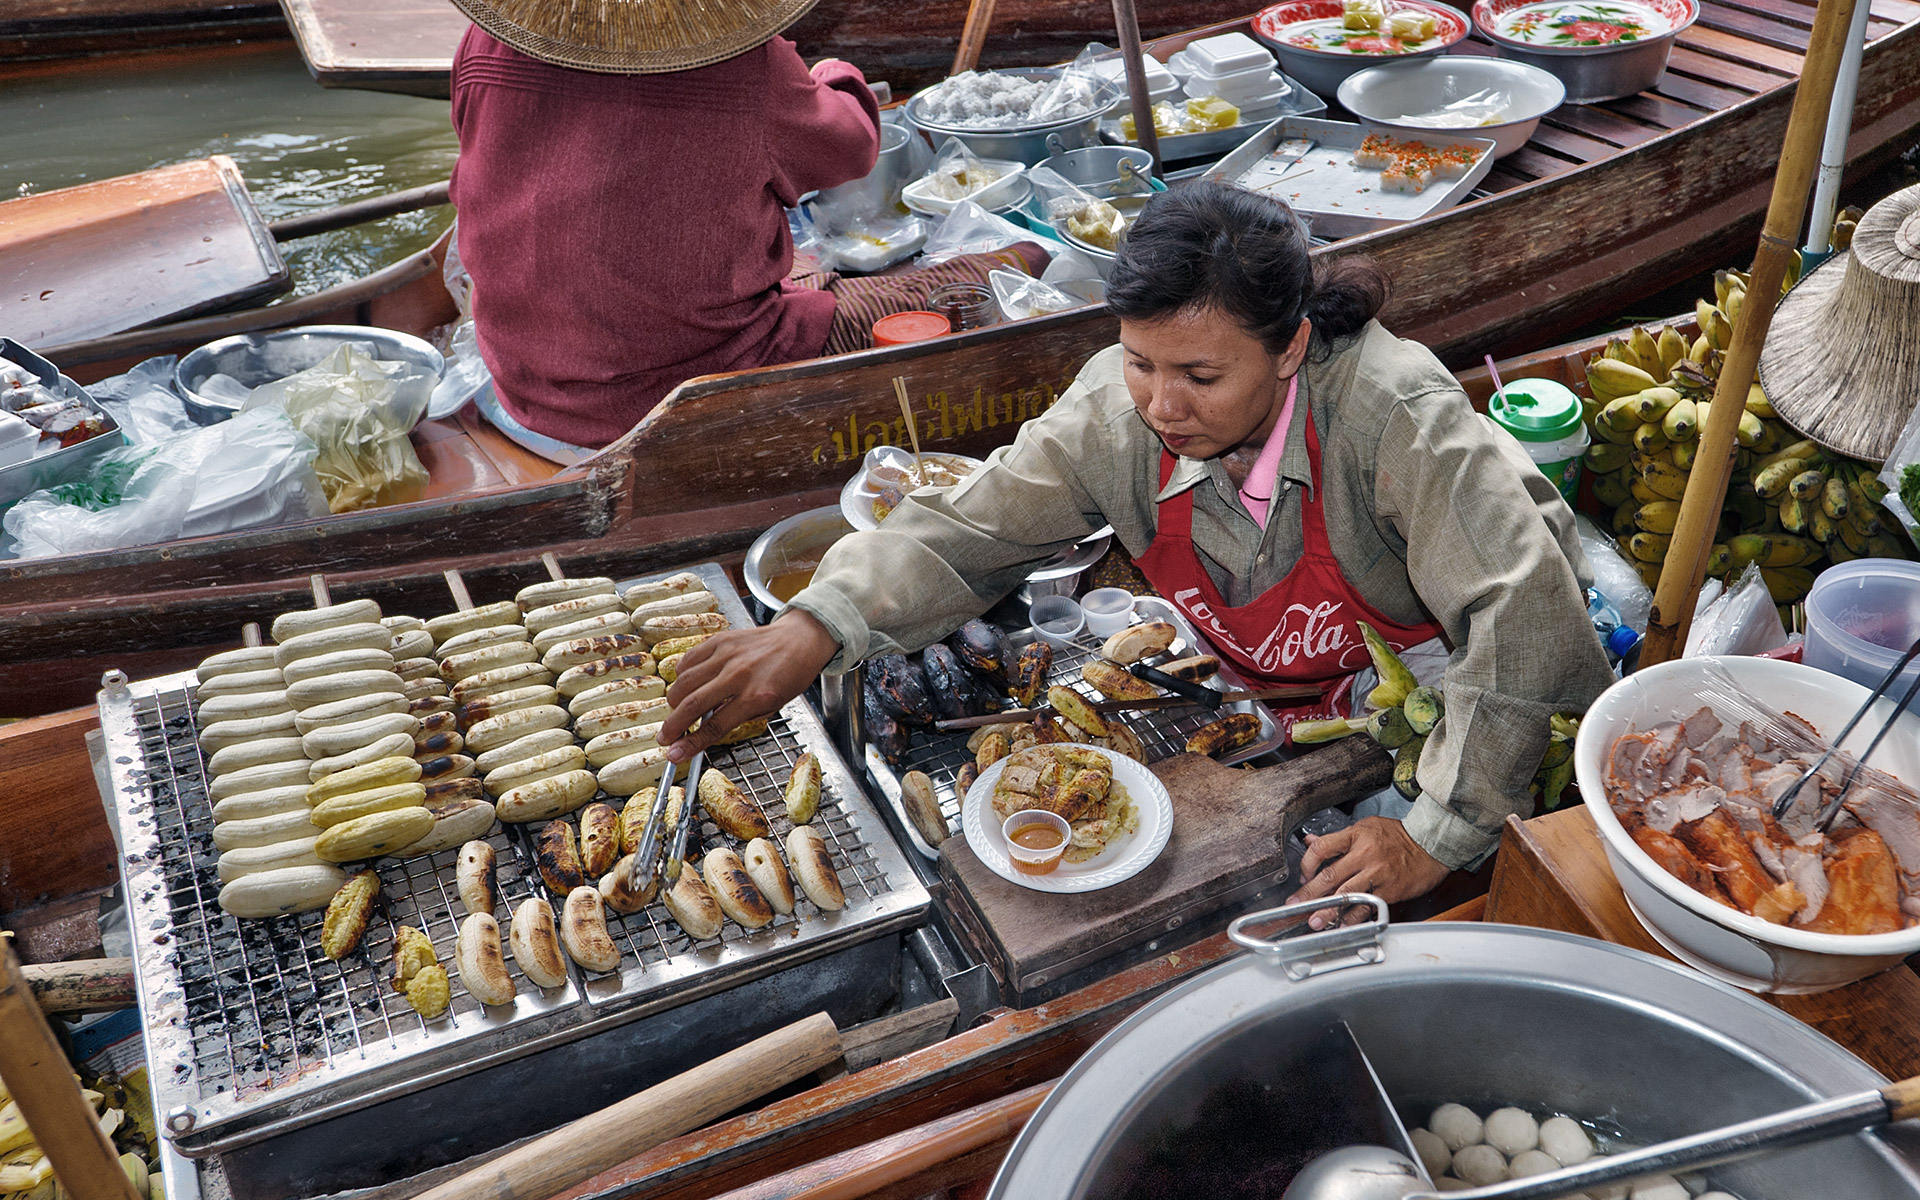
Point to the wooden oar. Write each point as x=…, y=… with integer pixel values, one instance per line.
x=357, y=212
x=1686, y=563
x=973, y=36
x=1127, y=25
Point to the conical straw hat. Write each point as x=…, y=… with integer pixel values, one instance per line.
x=633, y=37
x=1842, y=360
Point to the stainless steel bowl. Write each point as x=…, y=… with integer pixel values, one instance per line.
x=1104, y=171
x=794, y=542
x=1021, y=143
x=257, y=358
x=1061, y=576
x=1591, y=73
x=1481, y=1014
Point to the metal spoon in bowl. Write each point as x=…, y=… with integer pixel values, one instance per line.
x=1377, y=1173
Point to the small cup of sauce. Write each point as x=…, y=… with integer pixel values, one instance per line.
x=1036, y=840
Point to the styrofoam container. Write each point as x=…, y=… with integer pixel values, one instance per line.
x=1861, y=617
x=1260, y=90
x=1227, y=53
x=1720, y=941
x=17, y=439
x=1159, y=79
x=1230, y=80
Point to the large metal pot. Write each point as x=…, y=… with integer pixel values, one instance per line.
x=1481, y=1014
x=1021, y=143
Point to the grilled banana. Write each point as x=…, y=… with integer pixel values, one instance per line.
x=501, y=679
x=331, y=740
x=266, y=803
x=576, y=652
x=768, y=873
x=412, y=954
x=480, y=639
x=923, y=807
x=323, y=690
x=385, y=772
x=1030, y=671
x=455, y=822
x=413, y=670
x=374, y=834
x=552, y=591
x=1116, y=682
x=599, y=839
x=1075, y=707
x=558, y=857
x=546, y=765
x=663, y=589
x=691, y=604
x=618, y=891
x=352, y=806
x=583, y=928
x=625, y=776
x=734, y=889
x=497, y=731
x=994, y=747
x=438, y=745
x=668, y=668
x=336, y=662
x=251, y=860
x=473, y=878
x=624, y=715
x=567, y=612
x=1136, y=642
x=402, y=623
x=617, y=691
x=412, y=643
x=1197, y=669
x=522, y=747
x=745, y=731
x=673, y=647
x=349, y=710
x=422, y=689
x=611, y=747
x=730, y=808
x=578, y=679
x=547, y=798
x=257, y=779
x=499, y=704
x=263, y=831
x=691, y=905
x=1226, y=734
x=367, y=635
x=633, y=818
x=453, y=624
x=536, y=943
x=241, y=707
x=460, y=667
x=656, y=630
x=426, y=705
x=608, y=624
x=803, y=789
x=241, y=683
x=482, y=966
x=219, y=736
x=290, y=625
x=347, y=915
x=444, y=767
x=286, y=890
x=230, y=662
x=253, y=754
x=446, y=791
x=813, y=868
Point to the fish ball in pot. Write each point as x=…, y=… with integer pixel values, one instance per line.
x=1482, y=1164
x=1434, y=1153
x=1658, y=1187
x=1532, y=1162
x=1511, y=1131
x=1456, y=1126
x=1564, y=1138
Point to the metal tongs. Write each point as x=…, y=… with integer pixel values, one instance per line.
x=643, y=869
x=1832, y=809
x=689, y=817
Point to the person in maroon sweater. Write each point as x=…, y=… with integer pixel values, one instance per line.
x=624, y=221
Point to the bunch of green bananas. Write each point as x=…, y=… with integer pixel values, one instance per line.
x=1404, y=713
x=1650, y=397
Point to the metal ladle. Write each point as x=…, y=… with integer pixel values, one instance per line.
x=1377, y=1173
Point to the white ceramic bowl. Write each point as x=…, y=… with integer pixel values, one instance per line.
x=1724, y=943
x=1381, y=95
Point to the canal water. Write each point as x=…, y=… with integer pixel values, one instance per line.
x=299, y=146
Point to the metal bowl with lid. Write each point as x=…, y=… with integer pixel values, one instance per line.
x=253, y=359
x=1485, y=1015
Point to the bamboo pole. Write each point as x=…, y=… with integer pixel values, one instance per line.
x=36, y=1073
x=973, y=36
x=1127, y=25
x=1686, y=563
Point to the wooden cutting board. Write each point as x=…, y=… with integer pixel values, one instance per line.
x=86, y=261
x=1230, y=833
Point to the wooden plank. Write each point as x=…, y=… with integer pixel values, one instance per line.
x=156, y=246
x=1700, y=95
x=1740, y=50
x=1598, y=122
x=1708, y=69
x=1553, y=873
x=54, y=840
x=1897, y=11
x=388, y=45
x=1538, y=163
x=1655, y=111
x=1549, y=136
x=50, y=29
x=1764, y=30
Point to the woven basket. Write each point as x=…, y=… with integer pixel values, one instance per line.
x=1842, y=360
x=633, y=37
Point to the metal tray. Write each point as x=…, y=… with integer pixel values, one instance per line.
x=251, y=1032
x=1338, y=198
x=1183, y=147
x=1163, y=731
x=64, y=465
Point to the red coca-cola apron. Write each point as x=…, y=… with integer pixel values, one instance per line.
x=1299, y=631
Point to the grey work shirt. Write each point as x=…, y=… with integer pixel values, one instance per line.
x=1433, y=513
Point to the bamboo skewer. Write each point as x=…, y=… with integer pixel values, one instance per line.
x=913, y=428
x=1686, y=562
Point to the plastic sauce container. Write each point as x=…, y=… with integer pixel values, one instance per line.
x=1861, y=617
x=1109, y=610
x=1036, y=840
x=1545, y=417
x=912, y=326
x=1056, y=620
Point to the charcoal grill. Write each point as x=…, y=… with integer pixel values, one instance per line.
x=258, y=1044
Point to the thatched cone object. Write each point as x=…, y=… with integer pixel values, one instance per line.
x=1842, y=360
x=633, y=37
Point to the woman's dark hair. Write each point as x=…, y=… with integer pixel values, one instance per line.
x=1214, y=245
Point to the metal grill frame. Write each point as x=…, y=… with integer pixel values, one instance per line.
x=364, y=1043
x=1164, y=732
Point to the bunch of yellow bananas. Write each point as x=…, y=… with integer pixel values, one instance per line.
x=1791, y=506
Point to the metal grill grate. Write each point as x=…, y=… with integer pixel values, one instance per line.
x=1164, y=732
x=252, y=1031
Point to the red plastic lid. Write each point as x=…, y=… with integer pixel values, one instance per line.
x=912, y=326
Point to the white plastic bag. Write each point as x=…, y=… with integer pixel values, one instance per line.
x=1614, y=576
x=143, y=402
x=358, y=410
x=970, y=229
x=1021, y=296
x=256, y=469
x=1741, y=620
x=463, y=372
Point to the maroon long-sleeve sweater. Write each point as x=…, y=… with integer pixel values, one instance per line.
x=626, y=232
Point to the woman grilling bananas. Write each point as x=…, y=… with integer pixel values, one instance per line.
x=1282, y=469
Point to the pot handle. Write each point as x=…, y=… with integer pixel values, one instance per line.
x=1055, y=145
x=1302, y=955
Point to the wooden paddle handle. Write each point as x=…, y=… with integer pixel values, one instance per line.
x=36, y=1073
x=88, y=986
x=973, y=36
x=1903, y=1099
x=675, y=1106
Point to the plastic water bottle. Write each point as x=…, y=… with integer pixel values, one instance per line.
x=1616, y=636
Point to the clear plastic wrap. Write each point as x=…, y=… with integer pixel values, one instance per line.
x=1007, y=100
x=1021, y=296
x=970, y=229
x=1077, y=211
x=1489, y=106
x=464, y=372
x=142, y=401
x=1741, y=620
x=358, y=410
x=1901, y=474
x=1614, y=576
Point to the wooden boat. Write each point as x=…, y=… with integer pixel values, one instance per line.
x=1606, y=204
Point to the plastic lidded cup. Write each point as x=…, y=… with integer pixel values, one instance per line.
x=1036, y=840
x=1109, y=610
x=1544, y=415
x=1056, y=620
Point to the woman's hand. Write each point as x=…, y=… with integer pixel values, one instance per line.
x=735, y=676
x=1375, y=855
